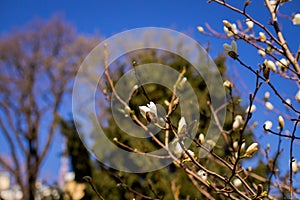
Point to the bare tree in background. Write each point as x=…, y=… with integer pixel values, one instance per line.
x=37, y=66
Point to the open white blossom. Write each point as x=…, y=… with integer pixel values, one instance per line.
x=249, y=23
x=297, y=97
x=253, y=109
x=296, y=19
x=202, y=174
x=269, y=105
x=268, y=125
x=231, y=50
x=237, y=182
x=270, y=64
x=262, y=36
x=181, y=126
x=262, y=53
x=149, y=112
x=282, y=64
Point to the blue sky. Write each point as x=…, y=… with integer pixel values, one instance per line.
x=111, y=17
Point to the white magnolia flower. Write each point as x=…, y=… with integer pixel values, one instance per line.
x=231, y=50
x=249, y=23
x=227, y=84
x=296, y=19
x=262, y=53
x=201, y=138
x=236, y=146
x=267, y=96
x=237, y=182
x=149, y=112
x=202, y=174
x=181, y=126
x=270, y=64
x=295, y=167
x=297, y=97
x=281, y=122
x=269, y=105
x=282, y=64
x=268, y=125
x=262, y=36
x=238, y=121
x=200, y=29
x=251, y=150
x=253, y=109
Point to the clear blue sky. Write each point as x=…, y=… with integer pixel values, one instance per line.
x=111, y=16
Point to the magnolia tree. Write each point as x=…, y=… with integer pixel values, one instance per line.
x=206, y=134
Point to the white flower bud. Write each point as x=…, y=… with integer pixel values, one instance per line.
x=270, y=64
x=178, y=149
x=282, y=64
x=237, y=182
x=262, y=36
x=251, y=150
x=268, y=125
x=294, y=166
x=181, y=127
x=202, y=174
x=227, y=84
x=262, y=53
x=238, y=121
x=297, y=97
x=288, y=101
x=201, y=138
x=269, y=105
x=253, y=109
x=249, y=23
x=182, y=82
x=243, y=146
x=296, y=19
x=267, y=96
x=200, y=29
x=235, y=145
x=281, y=122
x=226, y=24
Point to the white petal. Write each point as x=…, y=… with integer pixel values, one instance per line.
x=144, y=110
x=152, y=108
x=181, y=126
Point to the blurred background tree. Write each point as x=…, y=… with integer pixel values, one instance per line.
x=37, y=67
